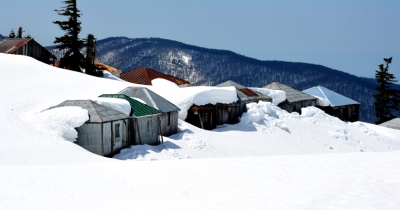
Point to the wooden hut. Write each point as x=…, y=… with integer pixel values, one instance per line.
x=393, y=123
x=144, y=76
x=245, y=96
x=204, y=117
x=295, y=99
x=28, y=47
x=107, y=130
x=340, y=106
x=170, y=112
x=145, y=123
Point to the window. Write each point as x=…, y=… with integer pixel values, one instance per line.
x=116, y=130
x=169, y=118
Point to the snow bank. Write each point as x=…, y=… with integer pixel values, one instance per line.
x=61, y=121
x=108, y=75
x=184, y=98
x=277, y=96
x=322, y=101
x=117, y=104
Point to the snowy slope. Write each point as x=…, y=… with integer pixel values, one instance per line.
x=271, y=159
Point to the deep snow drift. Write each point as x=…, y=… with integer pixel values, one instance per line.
x=271, y=159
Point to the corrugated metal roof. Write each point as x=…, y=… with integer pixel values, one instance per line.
x=243, y=92
x=394, y=124
x=292, y=95
x=97, y=113
x=143, y=75
x=139, y=109
x=335, y=99
x=10, y=45
x=151, y=98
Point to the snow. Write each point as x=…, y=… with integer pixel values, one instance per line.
x=322, y=101
x=278, y=96
x=117, y=104
x=270, y=160
x=186, y=59
x=184, y=98
x=60, y=121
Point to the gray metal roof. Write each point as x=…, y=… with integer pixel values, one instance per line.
x=151, y=98
x=243, y=92
x=335, y=99
x=97, y=113
x=394, y=124
x=292, y=95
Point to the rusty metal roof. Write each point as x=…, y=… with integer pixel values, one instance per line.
x=292, y=95
x=10, y=45
x=394, y=124
x=143, y=75
x=244, y=93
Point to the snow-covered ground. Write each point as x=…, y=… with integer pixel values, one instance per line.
x=270, y=160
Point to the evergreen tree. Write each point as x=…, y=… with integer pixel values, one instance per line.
x=90, y=67
x=70, y=40
x=386, y=99
x=12, y=34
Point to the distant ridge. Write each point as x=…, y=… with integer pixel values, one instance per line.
x=2, y=37
x=203, y=66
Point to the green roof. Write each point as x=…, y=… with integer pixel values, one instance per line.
x=139, y=109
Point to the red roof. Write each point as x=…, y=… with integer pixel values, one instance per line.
x=10, y=45
x=143, y=75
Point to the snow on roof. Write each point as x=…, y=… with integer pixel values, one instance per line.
x=292, y=95
x=150, y=98
x=394, y=124
x=97, y=113
x=243, y=92
x=184, y=98
x=335, y=99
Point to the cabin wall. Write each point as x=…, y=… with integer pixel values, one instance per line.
x=296, y=106
x=169, y=123
x=35, y=50
x=348, y=113
x=205, y=117
x=89, y=137
x=227, y=114
x=147, y=130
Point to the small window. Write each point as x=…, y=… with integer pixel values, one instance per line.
x=116, y=130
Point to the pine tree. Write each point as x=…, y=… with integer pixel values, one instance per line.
x=386, y=99
x=90, y=68
x=12, y=34
x=70, y=40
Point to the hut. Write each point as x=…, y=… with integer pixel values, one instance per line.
x=393, y=123
x=204, y=117
x=295, y=99
x=339, y=106
x=144, y=76
x=145, y=123
x=27, y=47
x=245, y=96
x=170, y=112
x=107, y=130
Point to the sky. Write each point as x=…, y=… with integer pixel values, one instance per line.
x=350, y=36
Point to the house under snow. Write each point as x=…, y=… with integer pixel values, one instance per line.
x=295, y=99
x=339, y=106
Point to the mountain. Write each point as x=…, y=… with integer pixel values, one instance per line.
x=2, y=37
x=202, y=66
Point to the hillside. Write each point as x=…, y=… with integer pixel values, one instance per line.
x=203, y=66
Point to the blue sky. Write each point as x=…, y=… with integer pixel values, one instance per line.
x=350, y=36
